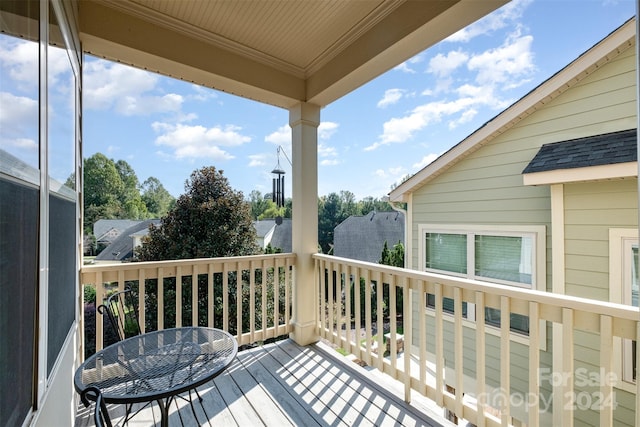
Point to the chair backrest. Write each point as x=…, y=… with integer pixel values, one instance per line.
x=100, y=414
x=122, y=310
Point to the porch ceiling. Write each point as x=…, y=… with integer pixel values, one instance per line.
x=273, y=51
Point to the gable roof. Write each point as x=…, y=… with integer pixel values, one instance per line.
x=362, y=237
x=281, y=236
x=122, y=247
x=102, y=226
x=598, y=150
x=604, y=51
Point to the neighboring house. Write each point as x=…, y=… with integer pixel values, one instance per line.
x=123, y=247
x=543, y=196
x=276, y=232
x=108, y=230
x=363, y=237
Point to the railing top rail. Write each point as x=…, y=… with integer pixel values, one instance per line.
x=558, y=300
x=193, y=261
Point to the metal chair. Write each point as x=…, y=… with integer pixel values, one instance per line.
x=122, y=310
x=100, y=414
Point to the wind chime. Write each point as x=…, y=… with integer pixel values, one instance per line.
x=277, y=195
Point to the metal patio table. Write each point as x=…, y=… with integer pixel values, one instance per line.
x=157, y=366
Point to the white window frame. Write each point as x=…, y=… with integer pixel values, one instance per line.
x=538, y=234
x=621, y=242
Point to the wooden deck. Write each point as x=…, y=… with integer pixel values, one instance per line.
x=284, y=384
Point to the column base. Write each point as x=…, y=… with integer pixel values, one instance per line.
x=304, y=334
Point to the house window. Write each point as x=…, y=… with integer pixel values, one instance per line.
x=503, y=255
x=623, y=289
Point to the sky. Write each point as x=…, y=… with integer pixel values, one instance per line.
x=370, y=139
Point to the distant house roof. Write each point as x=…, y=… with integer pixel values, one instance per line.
x=278, y=235
x=601, y=53
x=102, y=226
x=599, y=150
x=362, y=237
x=121, y=248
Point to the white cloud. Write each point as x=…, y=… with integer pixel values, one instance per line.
x=18, y=119
x=327, y=129
x=443, y=65
x=329, y=162
x=257, y=160
x=511, y=60
x=391, y=173
x=127, y=90
x=465, y=117
x=426, y=160
x=391, y=96
x=282, y=136
x=401, y=129
x=20, y=59
x=406, y=66
x=198, y=141
x=326, y=151
x=496, y=20
x=202, y=93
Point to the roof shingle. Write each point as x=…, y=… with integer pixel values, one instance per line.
x=598, y=150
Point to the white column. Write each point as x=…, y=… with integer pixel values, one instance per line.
x=304, y=120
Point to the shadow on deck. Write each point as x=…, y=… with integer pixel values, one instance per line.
x=283, y=384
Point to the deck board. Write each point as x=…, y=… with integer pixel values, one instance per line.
x=283, y=384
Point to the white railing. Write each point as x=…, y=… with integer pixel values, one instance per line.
x=438, y=343
x=249, y=296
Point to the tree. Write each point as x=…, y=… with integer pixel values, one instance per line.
x=209, y=220
x=102, y=185
x=157, y=199
x=393, y=257
x=272, y=211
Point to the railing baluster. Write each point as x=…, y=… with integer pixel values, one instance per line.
x=407, y=319
x=567, y=367
x=367, y=315
x=210, y=295
x=439, y=344
x=380, y=321
x=178, y=297
x=340, y=320
x=330, y=297
x=141, y=305
x=422, y=327
x=533, y=402
x=252, y=302
x=276, y=297
x=239, y=329
x=263, y=300
x=225, y=296
x=347, y=309
x=505, y=358
x=321, y=269
x=99, y=317
x=393, y=326
x=194, y=297
x=160, y=313
x=459, y=349
x=480, y=360
x=606, y=366
x=288, y=287
x=357, y=307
